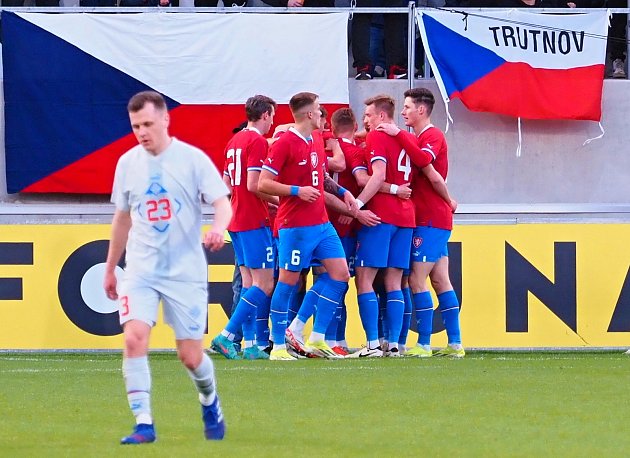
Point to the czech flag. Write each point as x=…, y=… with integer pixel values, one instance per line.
x=535, y=66
x=68, y=78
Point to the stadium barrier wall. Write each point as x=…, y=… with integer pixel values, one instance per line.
x=520, y=286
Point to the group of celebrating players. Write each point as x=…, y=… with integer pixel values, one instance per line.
x=374, y=205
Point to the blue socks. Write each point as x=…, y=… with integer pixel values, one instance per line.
x=449, y=307
x=402, y=340
x=394, y=313
x=329, y=300
x=309, y=304
x=368, y=310
x=246, y=307
x=262, y=323
x=424, y=316
x=279, y=305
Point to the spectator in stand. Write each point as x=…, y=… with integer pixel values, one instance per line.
x=394, y=40
x=617, y=38
x=37, y=3
x=299, y=3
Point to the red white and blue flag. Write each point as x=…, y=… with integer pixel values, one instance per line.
x=68, y=78
x=535, y=66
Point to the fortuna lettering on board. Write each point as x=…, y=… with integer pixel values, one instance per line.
x=546, y=41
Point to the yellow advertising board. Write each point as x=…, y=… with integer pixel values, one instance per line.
x=520, y=286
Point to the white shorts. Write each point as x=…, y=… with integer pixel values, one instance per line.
x=185, y=304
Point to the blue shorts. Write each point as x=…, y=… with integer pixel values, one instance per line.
x=298, y=245
x=429, y=244
x=254, y=249
x=383, y=246
x=349, y=244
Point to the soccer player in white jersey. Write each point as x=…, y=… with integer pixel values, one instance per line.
x=158, y=187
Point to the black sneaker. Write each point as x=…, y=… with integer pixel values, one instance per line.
x=363, y=73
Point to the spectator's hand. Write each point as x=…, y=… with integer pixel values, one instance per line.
x=367, y=218
x=308, y=193
x=295, y=3
x=571, y=5
x=345, y=219
x=388, y=128
x=109, y=284
x=213, y=241
x=165, y=2
x=404, y=191
x=453, y=204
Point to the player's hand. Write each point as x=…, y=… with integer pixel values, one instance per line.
x=367, y=218
x=345, y=219
x=351, y=202
x=404, y=191
x=331, y=143
x=109, y=284
x=213, y=241
x=272, y=208
x=388, y=128
x=308, y=193
x=453, y=204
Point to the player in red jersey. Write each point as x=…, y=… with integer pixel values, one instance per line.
x=434, y=222
x=344, y=125
x=250, y=230
x=295, y=171
x=385, y=246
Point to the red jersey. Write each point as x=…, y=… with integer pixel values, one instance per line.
x=355, y=157
x=318, y=141
x=431, y=209
x=244, y=153
x=295, y=161
x=391, y=209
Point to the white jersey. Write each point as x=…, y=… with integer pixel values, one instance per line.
x=163, y=195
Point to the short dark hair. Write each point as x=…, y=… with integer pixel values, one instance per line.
x=138, y=101
x=343, y=120
x=300, y=100
x=324, y=111
x=421, y=95
x=383, y=102
x=258, y=105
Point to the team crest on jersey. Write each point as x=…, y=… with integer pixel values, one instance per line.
x=417, y=241
x=314, y=159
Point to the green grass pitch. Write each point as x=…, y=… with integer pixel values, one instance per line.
x=488, y=404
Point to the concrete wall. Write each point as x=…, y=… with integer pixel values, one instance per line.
x=554, y=166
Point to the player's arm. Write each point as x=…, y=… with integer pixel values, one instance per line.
x=418, y=156
x=365, y=217
x=253, y=177
x=214, y=239
x=403, y=191
x=268, y=184
x=333, y=187
x=121, y=224
x=228, y=182
x=337, y=162
x=439, y=185
x=374, y=183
